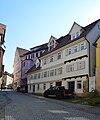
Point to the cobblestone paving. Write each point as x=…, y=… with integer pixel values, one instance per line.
x=29, y=107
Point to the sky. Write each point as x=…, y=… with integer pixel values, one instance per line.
x=32, y=22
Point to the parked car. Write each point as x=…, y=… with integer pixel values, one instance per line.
x=58, y=92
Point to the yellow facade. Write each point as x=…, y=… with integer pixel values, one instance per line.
x=98, y=65
x=98, y=53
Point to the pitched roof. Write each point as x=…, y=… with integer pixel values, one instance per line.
x=64, y=40
x=37, y=48
x=21, y=51
x=33, y=68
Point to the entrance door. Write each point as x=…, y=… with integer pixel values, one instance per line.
x=71, y=86
x=33, y=88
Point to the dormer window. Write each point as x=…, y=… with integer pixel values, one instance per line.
x=75, y=31
x=52, y=43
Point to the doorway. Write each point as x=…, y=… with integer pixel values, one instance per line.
x=71, y=86
x=33, y=88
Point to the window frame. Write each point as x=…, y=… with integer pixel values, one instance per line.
x=79, y=84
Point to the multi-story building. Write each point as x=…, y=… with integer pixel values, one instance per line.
x=8, y=80
x=23, y=61
x=17, y=67
x=97, y=44
x=2, y=37
x=29, y=60
x=69, y=61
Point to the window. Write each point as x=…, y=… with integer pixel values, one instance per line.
x=51, y=59
x=35, y=76
x=82, y=46
x=48, y=73
x=77, y=34
x=45, y=74
x=59, y=71
x=75, y=49
x=79, y=85
x=80, y=65
x=69, y=51
x=23, y=64
x=40, y=53
x=44, y=61
x=38, y=86
x=51, y=72
x=59, y=56
x=31, y=77
x=42, y=74
x=33, y=55
x=70, y=68
x=36, y=54
x=28, y=56
x=73, y=36
x=66, y=52
x=44, y=86
x=39, y=75
x=51, y=84
x=55, y=71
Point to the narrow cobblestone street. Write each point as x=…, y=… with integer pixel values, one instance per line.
x=19, y=106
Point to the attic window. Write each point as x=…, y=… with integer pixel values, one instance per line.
x=73, y=36
x=77, y=34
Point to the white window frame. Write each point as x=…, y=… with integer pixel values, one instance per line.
x=45, y=61
x=82, y=46
x=59, y=55
x=45, y=74
x=51, y=72
x=69, y=51
x=51, y=58
x=75, y=49
x=60, y=71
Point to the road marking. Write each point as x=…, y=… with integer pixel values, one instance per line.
x=58, y=111
x=9, y=117
x=40, y=97
x=40, y=101
x=75, y=118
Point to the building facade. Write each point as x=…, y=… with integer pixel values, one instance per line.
x=97, y=44
x=8, y=80
x=2, y=40
x=17, y=67
x=68, y=61
x=29, y=60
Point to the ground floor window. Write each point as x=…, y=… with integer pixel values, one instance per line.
x=51, y=84
x=79, y=84
x=44, y=86
x=38, y=86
